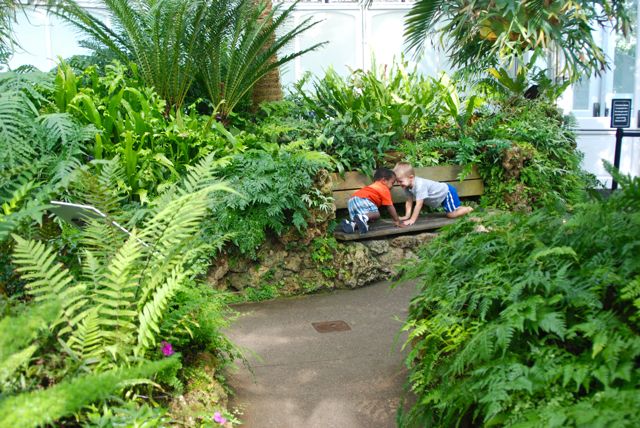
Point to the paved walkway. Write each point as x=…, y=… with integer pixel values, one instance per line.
x=305, y=379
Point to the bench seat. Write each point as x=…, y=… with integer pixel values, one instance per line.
x=472, y=185
x=385, y=227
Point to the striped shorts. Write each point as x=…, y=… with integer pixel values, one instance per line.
x=358, y=205
x=451, y=201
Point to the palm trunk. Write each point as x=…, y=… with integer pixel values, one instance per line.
x=268, y=88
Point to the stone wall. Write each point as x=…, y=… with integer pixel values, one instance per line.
x=293, y=270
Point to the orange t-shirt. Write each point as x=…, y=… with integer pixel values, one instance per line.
x=378, y=193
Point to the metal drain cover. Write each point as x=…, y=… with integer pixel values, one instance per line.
x=330, y=326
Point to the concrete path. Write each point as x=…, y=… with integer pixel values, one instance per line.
x=306, y=379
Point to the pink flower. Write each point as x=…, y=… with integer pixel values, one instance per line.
x=217, y=417
x=167, y=349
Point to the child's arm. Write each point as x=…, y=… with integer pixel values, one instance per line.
x=394, y=215
x=416, y=213
x=407, y=208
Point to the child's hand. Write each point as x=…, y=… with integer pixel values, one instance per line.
x=399, y=223
x=404, y=217
x=409, y=222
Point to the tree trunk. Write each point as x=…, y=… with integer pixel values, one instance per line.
x=268, y=88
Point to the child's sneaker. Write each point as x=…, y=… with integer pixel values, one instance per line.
x=362, y=223
x=347, y=226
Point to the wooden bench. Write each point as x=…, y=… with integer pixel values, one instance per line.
x=343, y=188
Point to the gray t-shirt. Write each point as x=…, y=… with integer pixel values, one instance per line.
x=432, y=192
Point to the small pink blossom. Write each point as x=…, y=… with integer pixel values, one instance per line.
x=167, y=349
x=217, y=417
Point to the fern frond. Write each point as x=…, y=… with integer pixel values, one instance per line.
x=116, y=292
x=17, y=114
x=46, y=279
x=87, y=339
x=62, y=130
x=43, y=407
x=152, y=312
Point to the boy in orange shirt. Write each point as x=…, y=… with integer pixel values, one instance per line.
x=364, y=204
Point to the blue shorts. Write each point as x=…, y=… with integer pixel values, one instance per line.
x=358, y=205
x=451, y=201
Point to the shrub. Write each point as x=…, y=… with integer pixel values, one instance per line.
x=275, y=188
x=533, y=322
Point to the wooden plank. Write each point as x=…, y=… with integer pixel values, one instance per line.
x=351, y=180
x=468, y=187
x=465, y=188
x=355, y=180
x=385, y=227
x=445, y=172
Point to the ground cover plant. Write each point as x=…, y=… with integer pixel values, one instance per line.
x=530, y=320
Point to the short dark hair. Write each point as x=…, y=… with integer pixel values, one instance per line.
x=383, y=174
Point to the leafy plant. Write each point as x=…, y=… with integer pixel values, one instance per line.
x=275, y=187
x=7, y=19
x=227, y=43
x=112, y=311
x=39, y=149
x=368, y=113
x=40, y=407
x=241, y=47
x=525, y=322
x=19, y=339
x=482, y=34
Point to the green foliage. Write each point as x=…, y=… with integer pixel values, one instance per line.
x=323, y=250
x=531, y=322
x=228, y=44
x=155, y=148
x=46, y=406
x=195, y=318
x=128, y=414
x=275, y=192
x=363, y=116
x=39, y=148
x=482, y=34
x=243, y=46
x=261, y=293
x=113, y=310
x=18, y=338
x=7, y=39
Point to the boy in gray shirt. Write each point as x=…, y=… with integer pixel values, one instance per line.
x=426, y=192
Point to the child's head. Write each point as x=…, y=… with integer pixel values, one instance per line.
x=404, y=174
x=386, y=175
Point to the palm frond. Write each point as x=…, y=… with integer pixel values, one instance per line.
x=419, y=20
x=242, y=46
